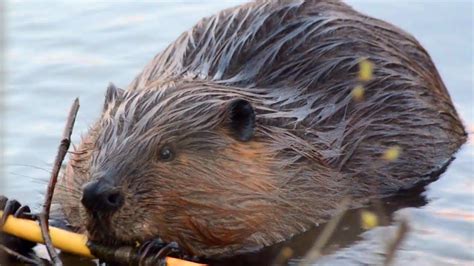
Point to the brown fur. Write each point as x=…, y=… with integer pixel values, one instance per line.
x=296, y=62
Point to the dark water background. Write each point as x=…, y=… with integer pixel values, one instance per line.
x=58, y=50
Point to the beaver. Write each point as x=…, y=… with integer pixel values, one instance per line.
x=244, y=131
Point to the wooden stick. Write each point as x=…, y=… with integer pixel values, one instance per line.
x=316, y=251
x=62, y=151
x=44, y=230
x=392, y=247
x=64, y=240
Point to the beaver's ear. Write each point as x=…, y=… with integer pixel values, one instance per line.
x=113, y=95
x=242, y=119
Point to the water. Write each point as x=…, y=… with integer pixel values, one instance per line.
x=57, y=51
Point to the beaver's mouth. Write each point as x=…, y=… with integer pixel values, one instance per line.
x=100, y=229
x=109, y=230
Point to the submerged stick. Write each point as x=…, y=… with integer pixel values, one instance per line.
x=62, y=151
x=392, y=247
x=64, y=240
x=316, y=251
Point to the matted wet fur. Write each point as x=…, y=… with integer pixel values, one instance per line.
x=227, y=190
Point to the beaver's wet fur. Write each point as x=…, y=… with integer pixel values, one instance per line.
x=244, y=131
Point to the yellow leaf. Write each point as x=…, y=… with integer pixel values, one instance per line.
x=358, y=93
x=368, y=219
x=392, y=153
x=365, y=70
x=287, y=252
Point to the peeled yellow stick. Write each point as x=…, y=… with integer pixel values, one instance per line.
x=64, y=240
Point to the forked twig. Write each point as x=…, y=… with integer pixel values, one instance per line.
x=62, y=151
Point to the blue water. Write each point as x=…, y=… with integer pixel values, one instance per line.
x=58, y=50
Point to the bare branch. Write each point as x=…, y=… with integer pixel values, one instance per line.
x=62, y=151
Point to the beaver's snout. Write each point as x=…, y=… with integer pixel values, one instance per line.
x=100, y=196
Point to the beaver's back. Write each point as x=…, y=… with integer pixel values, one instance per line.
x=302, y=57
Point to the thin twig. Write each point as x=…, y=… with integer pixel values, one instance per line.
x=62, y=151
x=396, y=242
x=316, y=251
x=19, y=256
x=48, y=242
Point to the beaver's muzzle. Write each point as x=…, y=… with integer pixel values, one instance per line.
x=100, y=196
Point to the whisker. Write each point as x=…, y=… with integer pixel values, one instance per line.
x=72, y=189
x=22, y=175
x=31, y=166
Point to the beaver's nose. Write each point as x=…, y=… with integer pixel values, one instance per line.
x=100, y=196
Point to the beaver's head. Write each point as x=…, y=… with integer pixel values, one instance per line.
x=186, y=163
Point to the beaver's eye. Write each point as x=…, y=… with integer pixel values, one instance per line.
x=166, y=154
